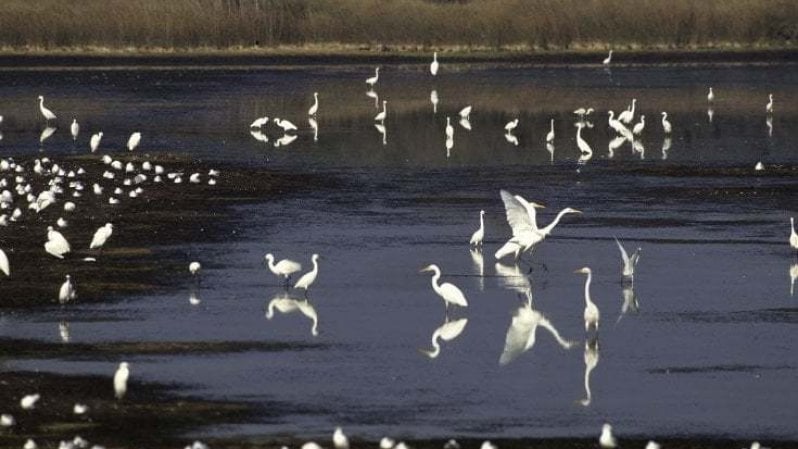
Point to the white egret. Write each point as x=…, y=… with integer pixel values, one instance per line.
x=309, y=278
x=56, y=244
x=340, y=441
x=479, y=234
x=666, y=125
x=449, y=128
x=67, y=291
x=522, y=220
x=259, y=122
x=448, y=292
x=30, y=444
x=315, y=107
x=448, y=331
x=120, y=380
x=769, y=106
x=451, y=444
x=133, y=141
x=311, y=445
x=380, y=117
x=580, y=142
x=759, y=166
x=94, y=142
x=433, y=98
x=80, y=409
x=373, y=80
x=550, y=135
x=521, y=334
x=7, y=420
x=629, y=114
x=487, y=445
x=607, y=440
x=608, y=59
x=652, y=445
x=28, y=402
x=582, y=112
x=433, y=67
x=465, y=112
x=5, y=266
x=511, y=138
x=793, y=234
x=511, y=125
x=591, y=358
x=48, y=114
x=285, y=124
x=284, y=268
x=591, y=314
x=194, y=268
x=629, y=262
x=387, y=443
x=711, y=95
x=101, y=236
x=639, y=126
x=793, y=277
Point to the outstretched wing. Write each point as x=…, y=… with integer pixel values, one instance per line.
x=518, y=215
x=624, y=256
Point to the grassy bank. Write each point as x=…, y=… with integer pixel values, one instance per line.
x=530, y=25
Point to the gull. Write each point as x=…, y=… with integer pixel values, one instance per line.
x=629, y=262
x=120, y=380
x=67, y=291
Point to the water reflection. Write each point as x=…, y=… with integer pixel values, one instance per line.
x=638, y=147
x=793, y=277
x=284, y=304
x=259, y=136
x=630, y=303
x=315, y=127
x=521, y=333
x=512, y=278
x=375, y=96
x=286, y=140
x=614, y=145
x=448, y=331
x=666, y=146
x=591, y=360
x=710, y=114
x=63, y=331
x=511, y=138
x=550, y=149
x=46, y=133
x=479, y=265
x=449, y=146
x=465, y=123
x=433, y=98
x=769, y=123
x=194, y=297
x=383, y=131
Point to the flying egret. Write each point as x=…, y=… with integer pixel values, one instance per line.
x=479, y=234
x=28, y=402
x=56, y=244
x=67, y=291
x=74, y=129
x=607, y=440
x=511, y=125
x=521, y=334
x=309, y=278
x=433, y=67
x=591, y=358
x=259, y=122
x=666, y=125
x=629, y=114
x=284, y=268
x=315, y=106
x=120, y=380
x=380, y=117
x=639, y=126
x=94, y=142
x=133, y=141
x=48, y=114
x=608, y=59
x=769, y=106
x=591, y=314
x=711, y=95
x=550, y=135
x=793, y=234
x=465, y=112
x=5, y=267
x=448, y=292
x=285, y=124
x=448, y=331
x=340, y=441
x=629, y=262
x=101, y=236
x=373, y=80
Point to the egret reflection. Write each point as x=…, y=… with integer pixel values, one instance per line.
x=793, y=277
x=259, y=136
x=375, y=96
x=383, y=131
x=630, y=303
x=314, y=125
x=479, y=265
x=512, y=278
x=284, y=304
x=46, y=133
x=666, y=146
x=521, y=333
x=591, y=360
x=614, y=145
x=710, y=114
x=465, y=123
x=448, y=331
x=511, y=138
x=286, y=140
x=638, y=147
x=550, y=149
x=433, y=98
x=769, y=123
x=194, y=297
x=63, y=331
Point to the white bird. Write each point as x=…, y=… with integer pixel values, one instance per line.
x=608, y=59
x=711, y=96
x=48, y=114
x=666, y=125
x=448, y=292
x=629, y=262
x=309, y=278
x=511, y=125
x=380, y=117
x=7, y=420
x=74, y=129
x=5, y=267
x=28, y=402
x=133, y=141
x=340, y=441
x=259, y=122
x=465, y=112
x=591, y=358
x=387, y=443
x=582, y=112
x=284, y=268
x=591, y=314
x=793, y=234
x=479, y=234
x=80, y=409
x=607, y=440
x=640, y=125
x=653, y=445
x=759, y=166
x=194, y=268
x=433, y=67
x=285, y=124
x=446, y=332
x=311, y=445
x=522, y=218
x=521, y=334
x=487, y=445
x=30, y=444
x=383, y=131
x=580, y=142
x=120, y=380
x=373, y=80
x=550, y=135
x=449, y=128
x=67, y=291
x=629, y=114
x=769, y=106
x=101, y=236
x=94, y=142
x=315, y=106
x=56, y=244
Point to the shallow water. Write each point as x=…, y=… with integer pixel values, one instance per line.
x=708, y=353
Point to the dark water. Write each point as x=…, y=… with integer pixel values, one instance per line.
x=710, y=352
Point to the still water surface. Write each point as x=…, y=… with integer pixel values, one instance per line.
x=709, y=352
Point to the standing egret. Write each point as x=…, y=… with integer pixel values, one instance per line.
x=446, y=332
x=608, y=59
x=448, y=292
x=74, y=129
x=465, y=113
x=591, y=314
x=629, y=114
x=793, y=235
x=580, y=142
x=28, y=402
x=433, y=67
x=94, y=142
x=666, y=125
x=315, y=106
x=582, y=112
x=194, y=268
x=120, y=380
x=479, y=234
x=284, y=268
x=5, y=267
x=67, y=291
x=449, y=128
x=133, y=141
x=373, y=80
x=309, y=278
x=259, y=122
x=639, y=126
x=433, y=98
x=711, y=96
x=511, y=125
x=607, y=440
x=101, y=236
x=769, y=106
x=285, y=124
x=629, y=262
x=380, y=117
x=550, y=135
x=652, y=445
x=48, y=114
x=56, y=244
x=340, y=441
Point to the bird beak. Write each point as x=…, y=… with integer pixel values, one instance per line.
x=539, y=206
x=423, y=269
x=577, y=211
x=581, y=270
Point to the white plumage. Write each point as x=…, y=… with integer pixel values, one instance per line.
x=74, y=129
x=284, y=268
x=48, y=114
x=94, y=142
x=340, y=441
x=448, y=292
x=591, y=314
x=133, y=141
x=479, y=234
x=309, y=278
x=67, y=292
x=56, y=244
x=101, y=236
x=5, y=266
x=120, y=380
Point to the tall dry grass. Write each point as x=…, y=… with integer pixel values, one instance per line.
x=555, y=24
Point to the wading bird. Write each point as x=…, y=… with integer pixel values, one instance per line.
x=550, y=135
x=666, y=125
x=479, y=234
x=448, y=292
x=309, y=278
x=608, y=59
x=629, y=262
x=433, y=67
x=120, y=380
x=373, y=80
x=591, y=314
x=284, y=268
x=133, y=141
x=315, y=107
x=46, y=113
